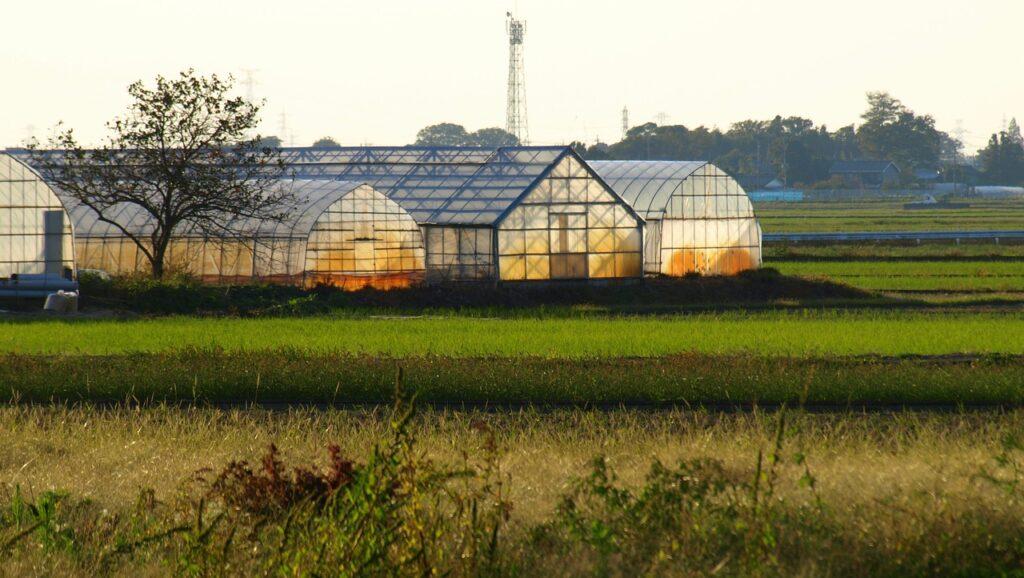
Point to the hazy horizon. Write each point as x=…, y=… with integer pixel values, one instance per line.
x=378, y=72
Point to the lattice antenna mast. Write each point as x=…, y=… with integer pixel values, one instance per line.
x=250, y=82
x=286, y=135
x=625, y=122
x=515, y=115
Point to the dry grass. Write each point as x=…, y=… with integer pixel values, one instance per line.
x=885, y=494
x=859, y=460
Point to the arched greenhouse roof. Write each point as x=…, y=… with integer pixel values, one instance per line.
x=311, y=199
x=646, y=185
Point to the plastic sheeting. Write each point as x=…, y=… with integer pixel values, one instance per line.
x=699, y=219
x=339, y=233
x=35, y=231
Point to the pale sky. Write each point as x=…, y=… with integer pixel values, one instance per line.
x=376, y=71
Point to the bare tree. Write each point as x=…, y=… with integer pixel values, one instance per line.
x=183, y=157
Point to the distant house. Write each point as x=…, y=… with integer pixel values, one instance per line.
x=926, y=175
x=866, y=174
x=776, y=191
x=754, y=182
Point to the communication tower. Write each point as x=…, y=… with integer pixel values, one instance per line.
x=515, y=114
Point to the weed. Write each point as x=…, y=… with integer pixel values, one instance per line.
x=37, y=517
x=272, y=487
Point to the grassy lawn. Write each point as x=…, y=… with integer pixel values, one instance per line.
x=800, y=333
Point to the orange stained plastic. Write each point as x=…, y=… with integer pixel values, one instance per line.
x=380, y=281
x=719, y=262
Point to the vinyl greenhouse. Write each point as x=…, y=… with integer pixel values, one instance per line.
x=390, y=217
x=340, y=233
x=699, y=219
x=36, y=249
x=508, y=214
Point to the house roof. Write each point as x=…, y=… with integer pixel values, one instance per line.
x=865, y=166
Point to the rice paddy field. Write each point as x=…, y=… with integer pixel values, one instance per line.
x=920, y=326
x=781, y=333
x=937, y=273
x=960, y=276
x=862, y=418
x=876, y=215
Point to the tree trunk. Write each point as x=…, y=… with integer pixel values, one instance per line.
x=157, y=262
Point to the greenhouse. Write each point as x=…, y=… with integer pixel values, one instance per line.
x=699, y=219
x=36, y=249
x=339, y=233
x=508, y=214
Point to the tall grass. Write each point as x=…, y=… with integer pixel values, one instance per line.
x=626, y=494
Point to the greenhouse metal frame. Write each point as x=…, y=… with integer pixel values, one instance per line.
x=504, y=214
x=36, y=240
x=699, y=219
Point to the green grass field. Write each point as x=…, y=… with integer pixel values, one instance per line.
x=986, y=252
x=799, y=333
x=916, y=275
x=874, y=215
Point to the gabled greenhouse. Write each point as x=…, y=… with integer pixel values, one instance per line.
x=699, y=219
x=509, y=214
x=36, y=249
x=339, y=233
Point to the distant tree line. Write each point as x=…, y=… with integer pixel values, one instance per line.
x=443, y=134
x=793, y=149
x=450, y=134
x=801, y=153
x=1002, y=161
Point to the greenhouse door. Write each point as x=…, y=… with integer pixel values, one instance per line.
x=568, y=245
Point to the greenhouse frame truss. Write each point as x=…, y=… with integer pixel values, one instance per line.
x=503, y=214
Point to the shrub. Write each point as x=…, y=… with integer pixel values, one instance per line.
x=271, y=487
